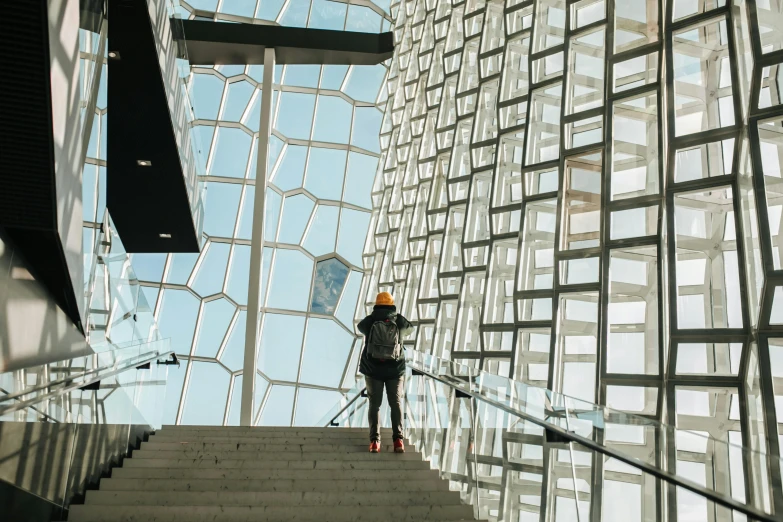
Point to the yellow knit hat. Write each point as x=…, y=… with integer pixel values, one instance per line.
x=384, y=298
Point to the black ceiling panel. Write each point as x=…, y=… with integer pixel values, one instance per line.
x=219, y=43
x=146, y=200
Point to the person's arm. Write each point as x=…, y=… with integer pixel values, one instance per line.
x=404, y=325
x=364, y=325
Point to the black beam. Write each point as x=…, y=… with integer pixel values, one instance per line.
x=220, y=43
x=146, y=190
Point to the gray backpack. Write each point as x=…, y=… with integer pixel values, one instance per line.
x=384, y=340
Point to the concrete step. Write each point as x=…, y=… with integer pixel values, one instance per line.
x=378, y=464
x=229, y=430
x=196, y=453
x=272, y=498
x=246, y=474
x=337, y=447
x=270, y=474
x=264, y=439
x=333, y=483
x=397, y=513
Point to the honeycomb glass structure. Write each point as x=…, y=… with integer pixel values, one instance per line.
x=579, y=195
x=323, y=156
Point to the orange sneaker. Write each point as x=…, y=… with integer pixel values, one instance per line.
x=399, y=447
x=375, y=447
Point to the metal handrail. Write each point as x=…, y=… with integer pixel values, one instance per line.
x=348, y=404
x=81, y=384
x=725, y=501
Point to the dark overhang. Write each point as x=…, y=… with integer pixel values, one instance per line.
x=34, y=208
x=146, y=191
x=149, y=201
x=222, y=43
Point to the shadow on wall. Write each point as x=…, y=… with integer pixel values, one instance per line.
x=44, y=467
x=33, y=329
x=64, y=66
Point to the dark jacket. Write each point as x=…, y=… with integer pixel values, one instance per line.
x=371, y=367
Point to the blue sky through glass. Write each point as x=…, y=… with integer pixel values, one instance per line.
x=330, y=276
x=323, y=156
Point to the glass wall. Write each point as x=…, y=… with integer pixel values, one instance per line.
x=571, y=196
x=323, y=156
x=556, y=191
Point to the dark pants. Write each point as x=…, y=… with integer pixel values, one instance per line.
x=395, y=389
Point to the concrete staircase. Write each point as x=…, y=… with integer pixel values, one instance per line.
x=222, y=474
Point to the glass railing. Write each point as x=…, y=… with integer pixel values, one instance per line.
x=515, y=450
x=345, y=402
x=116, y=310
x=64, y=424
x=53, y=392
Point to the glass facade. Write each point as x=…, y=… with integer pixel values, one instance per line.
x=580, y=195
x=323, y=157
x=576, y=195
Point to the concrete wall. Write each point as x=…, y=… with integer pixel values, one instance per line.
x=33, y=329
x=63, y=26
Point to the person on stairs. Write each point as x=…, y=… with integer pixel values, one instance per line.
x=383, y=366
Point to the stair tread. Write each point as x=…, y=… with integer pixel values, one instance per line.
x=256, y=439
x=330, y=484
x=258, y=446
x=270, y=429
x=264, y=474
x=274, y=455
x=273, y=498
x=379, y=464
x=86, y=513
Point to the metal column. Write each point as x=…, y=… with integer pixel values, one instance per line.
x=257, y=243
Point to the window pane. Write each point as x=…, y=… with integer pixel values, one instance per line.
x=278, y=408
x=206, y=405
x=215, y=319
x=326, y=350
x=330, y=276
x=281, y=346
x=291, y=277
x=702, y=80
x=707, y=270
x=295, y=115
